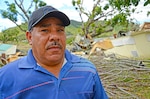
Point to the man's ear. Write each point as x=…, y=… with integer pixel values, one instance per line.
x=29, y=37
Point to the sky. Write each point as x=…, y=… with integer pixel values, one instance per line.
x=66, y=7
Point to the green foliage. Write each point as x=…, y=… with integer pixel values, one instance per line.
x=75, y=24
x=70, y=39
x=78, y=2
x=74, y=28
x=23, y=26
x=19, y=9
x=135, y=2
x=118, y=10
x=106, y=7
x=147, y=2
x=15, y=34
x=119, y=19
x=119, y=4
x=98, y=10
x=41, y=3
x=10, y=13
x=148, y=13
x=9, y=35
x=73, y=2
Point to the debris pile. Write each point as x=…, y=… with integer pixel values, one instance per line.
x=124, y=78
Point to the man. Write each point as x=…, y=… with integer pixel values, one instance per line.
x=49, y=71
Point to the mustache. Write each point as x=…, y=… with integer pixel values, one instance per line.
x=54, y=44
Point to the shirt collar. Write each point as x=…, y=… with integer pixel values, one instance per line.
x=65, y=61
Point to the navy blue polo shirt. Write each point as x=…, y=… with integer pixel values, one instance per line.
x=24, y=79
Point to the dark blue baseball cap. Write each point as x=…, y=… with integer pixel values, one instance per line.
x=44, y=12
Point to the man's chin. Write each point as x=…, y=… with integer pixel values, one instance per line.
x=55, y=57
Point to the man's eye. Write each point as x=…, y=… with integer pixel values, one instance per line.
x=44, y=30
x=61, y=30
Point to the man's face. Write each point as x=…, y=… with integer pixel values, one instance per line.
x=48, y=41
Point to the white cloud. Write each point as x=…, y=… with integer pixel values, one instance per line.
x=5, y=23
x=66, y=7
x=59, y=3
x=141, y=17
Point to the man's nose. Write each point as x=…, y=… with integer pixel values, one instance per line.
x=54, y=36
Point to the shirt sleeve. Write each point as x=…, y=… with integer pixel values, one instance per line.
x=99, y=92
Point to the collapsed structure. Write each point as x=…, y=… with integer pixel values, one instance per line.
x=126, y=44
